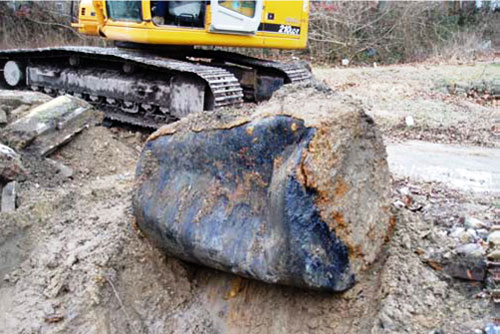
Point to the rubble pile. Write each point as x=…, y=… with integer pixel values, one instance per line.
x=34, y=126
x=460, y=248
x=50, y=125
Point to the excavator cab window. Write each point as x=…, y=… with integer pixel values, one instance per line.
x=179, y=13
x=124, y=10
x=246, y=8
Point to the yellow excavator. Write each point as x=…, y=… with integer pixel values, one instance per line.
x=158, y=73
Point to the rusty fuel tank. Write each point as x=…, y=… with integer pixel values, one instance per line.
x=289, y=194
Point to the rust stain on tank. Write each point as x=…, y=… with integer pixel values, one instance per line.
x=371, y=232
x=249, y=130
x=391, y=228
x=307, y=174
x=237, y=287
x=351, y=248
x=243, y=187
x=216, y=191
x=340, y=188
x=359, y=251
x=278, y=161
x=339, y=219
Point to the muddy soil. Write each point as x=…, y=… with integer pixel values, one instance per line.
x=72, y=260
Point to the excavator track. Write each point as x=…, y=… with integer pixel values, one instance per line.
x=223, y=88
x=140, y=87
x=259, y=78
x=293, y=72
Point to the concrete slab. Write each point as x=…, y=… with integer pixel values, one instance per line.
x=9, y=194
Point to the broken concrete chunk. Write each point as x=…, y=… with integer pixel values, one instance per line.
x=51, y=125
x=9, y=195
x=468, y=262
x=3, y=117
x=19, y=112
x=11, y=167
x=288, y=195
x=494, y=237
x=12, y=99
x=62, y=169
x=50, y=143
x=494, y=255
x=471, y=222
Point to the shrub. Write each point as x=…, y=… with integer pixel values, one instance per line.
x=391, y=32
x=37, y=24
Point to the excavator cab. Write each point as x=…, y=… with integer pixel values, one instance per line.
x=234, y=16
x=235, y=23
x=148, y=24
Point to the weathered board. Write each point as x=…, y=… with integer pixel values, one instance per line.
x=50, y=125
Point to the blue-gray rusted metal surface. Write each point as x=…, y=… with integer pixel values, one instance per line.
x=220, y=198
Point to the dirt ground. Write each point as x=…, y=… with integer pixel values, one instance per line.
x=72, y=261
x=422, y=91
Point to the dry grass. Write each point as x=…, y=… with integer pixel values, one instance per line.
x=366, y=32
x=38, y=27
